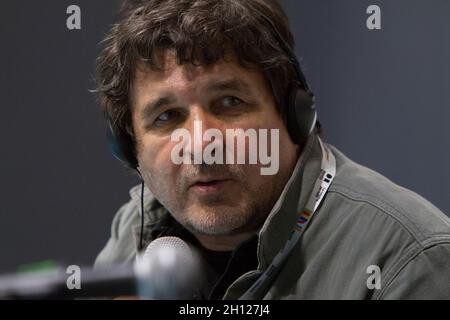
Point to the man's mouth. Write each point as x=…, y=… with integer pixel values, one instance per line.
x=209, y=186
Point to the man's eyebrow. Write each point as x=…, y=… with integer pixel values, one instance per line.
x=232, y=84
x=156, y=104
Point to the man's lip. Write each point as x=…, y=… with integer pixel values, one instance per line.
x=210, y=188
x=209, y=180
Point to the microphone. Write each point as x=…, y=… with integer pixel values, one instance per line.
x=169, y=269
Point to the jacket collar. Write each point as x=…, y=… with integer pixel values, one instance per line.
x=283, y=216
x=150, y=202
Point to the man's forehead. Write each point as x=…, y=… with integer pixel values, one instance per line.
x=171, y=70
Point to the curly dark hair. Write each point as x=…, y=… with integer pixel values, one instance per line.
x=200, y=32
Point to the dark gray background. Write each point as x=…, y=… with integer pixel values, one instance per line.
x=383, y=98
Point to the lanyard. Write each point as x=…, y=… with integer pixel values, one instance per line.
x=326, y=176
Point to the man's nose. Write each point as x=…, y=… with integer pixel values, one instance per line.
x=199, y=122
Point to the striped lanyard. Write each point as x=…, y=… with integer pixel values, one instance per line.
x=326, y=176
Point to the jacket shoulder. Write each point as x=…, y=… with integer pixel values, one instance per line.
x=365, y=221
x=379, y=195
x=122, y=244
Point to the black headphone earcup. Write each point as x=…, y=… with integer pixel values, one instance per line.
x=121, y=146
x=301, y=115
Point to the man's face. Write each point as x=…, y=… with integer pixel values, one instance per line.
x=217, y=199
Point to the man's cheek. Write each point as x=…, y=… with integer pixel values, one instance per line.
x=158, y=174
x=152, y=155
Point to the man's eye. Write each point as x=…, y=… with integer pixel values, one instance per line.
x=230, y=101
x=167, y=116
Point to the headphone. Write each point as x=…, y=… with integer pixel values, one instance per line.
x=301, y=114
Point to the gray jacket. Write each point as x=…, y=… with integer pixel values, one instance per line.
x=365, y=222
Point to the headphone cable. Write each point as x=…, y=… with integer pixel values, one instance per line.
x=141, y=237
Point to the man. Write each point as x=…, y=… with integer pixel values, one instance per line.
x=324, y=226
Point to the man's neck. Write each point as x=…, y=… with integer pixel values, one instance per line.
x=223, y=243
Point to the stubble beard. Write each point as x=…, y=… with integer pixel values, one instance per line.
x=215, y=215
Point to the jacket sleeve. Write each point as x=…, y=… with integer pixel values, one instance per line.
x=120, y=247
x=426, y=276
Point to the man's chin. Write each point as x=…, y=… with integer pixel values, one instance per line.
x=215, y=220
